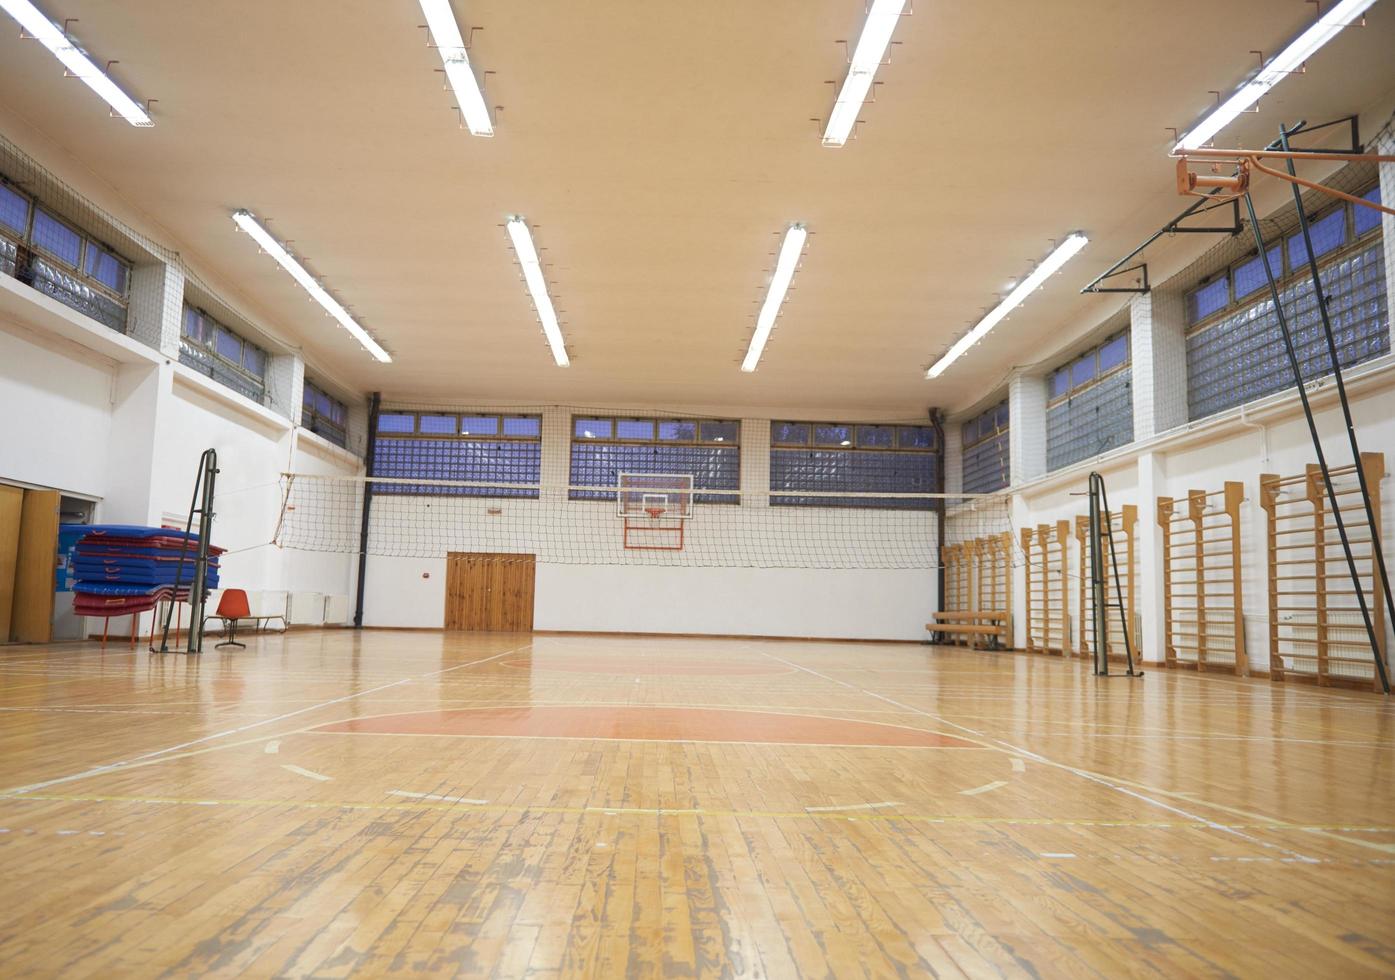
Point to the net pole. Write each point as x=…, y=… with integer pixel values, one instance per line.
x=374, y=407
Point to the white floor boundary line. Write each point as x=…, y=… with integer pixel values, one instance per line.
x=1037, y=757
x=123, y=763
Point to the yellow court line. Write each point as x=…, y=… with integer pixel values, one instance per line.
x=603, y=811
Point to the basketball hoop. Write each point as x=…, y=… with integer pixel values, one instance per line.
x=654, y=509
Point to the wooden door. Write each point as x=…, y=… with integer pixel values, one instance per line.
x=11, y=509
x=35, y=563
x=490, y=592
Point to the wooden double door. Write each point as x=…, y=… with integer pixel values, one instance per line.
x=491, y=592
x=28, y=561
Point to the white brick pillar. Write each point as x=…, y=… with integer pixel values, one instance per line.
x=1026, y=426
x=755, y=463
x=285, y=385
x=156, y=309
x=1158, y=347
x=954, y=456
x=1152, y=473
x=356, y=434
x=556, y=454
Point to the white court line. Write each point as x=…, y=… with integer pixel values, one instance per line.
x=109, y=767
x=273, y=746
x=308, y=773
x=1037, y=757
x=1057, y=854
x=1018, y=765
x=985, y=788
x=435, y=797
x=850, y=806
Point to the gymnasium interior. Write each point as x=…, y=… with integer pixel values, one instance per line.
x=799, y=488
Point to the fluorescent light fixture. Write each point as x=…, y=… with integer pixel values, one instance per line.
x=248, y=222
x=537, y=288
x=445, y=34
x=779, y=285
x=65, y=49
x=1053, y=262
x=1290, y=59
x=866, y=59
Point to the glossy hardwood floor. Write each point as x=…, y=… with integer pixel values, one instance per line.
x=335, y=804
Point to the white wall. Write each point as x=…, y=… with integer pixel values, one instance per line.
x=871, y=604
x=130, y=435
x=58, y=413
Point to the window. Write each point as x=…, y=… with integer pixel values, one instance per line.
x=987, y=465
x=213, y=350
x=43, y=251
x=1235, y=350
x=605, y=447
x=14, y=210
x=56, y=238
x=494, y=450
x=323, y=414
x=1089, y=404
x=836, y=457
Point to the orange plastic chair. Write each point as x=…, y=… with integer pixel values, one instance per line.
x=232, y=606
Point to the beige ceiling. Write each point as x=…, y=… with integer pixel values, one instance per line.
x=659, y=147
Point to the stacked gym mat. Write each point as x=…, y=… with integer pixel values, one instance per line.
x=122, y=569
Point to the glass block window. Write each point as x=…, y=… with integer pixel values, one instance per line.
x=323, y=414
x=1089, y=407
x=212, y=349
x=987, y=465
x=494, y=451
x=836, y=457
x=603, y=447
x=1236, y=354
x=45, y=252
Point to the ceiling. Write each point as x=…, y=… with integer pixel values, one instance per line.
x=659, y=149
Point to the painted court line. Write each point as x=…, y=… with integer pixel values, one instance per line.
x=985, y=788
x=308, y=773
x=273, y=747
x=112, y=766
x=1057, y=854
x=850, y=806
x=1018, y=765
x=434, y=797
x=1037, y=757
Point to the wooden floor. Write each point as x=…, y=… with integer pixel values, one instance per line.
x=331, y=804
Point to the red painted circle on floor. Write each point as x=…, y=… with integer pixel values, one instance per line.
x=647, y=723
x=647, y=666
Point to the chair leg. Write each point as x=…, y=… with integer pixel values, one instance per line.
x=230, y=628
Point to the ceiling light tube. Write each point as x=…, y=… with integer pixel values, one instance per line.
x=790, y=250
x=866, y=59
x=445, y=34
x=1289, y=60
x=522, y=240
x=248, y=222
x=1049, y=266
x=65, y=49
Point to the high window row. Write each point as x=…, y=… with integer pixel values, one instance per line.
x=44, y=251
x=1235, y=350
x=1089, y=408
x=984, y=441
x=501, y=455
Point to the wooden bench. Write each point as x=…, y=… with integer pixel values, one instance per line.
x=992, y=623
